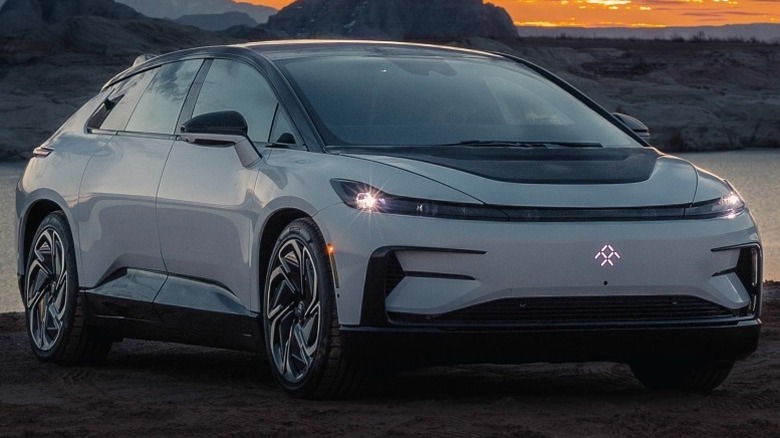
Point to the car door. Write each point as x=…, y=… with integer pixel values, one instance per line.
x=117, y=215
x=206, y=206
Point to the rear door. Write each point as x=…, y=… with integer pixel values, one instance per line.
x=117, y=216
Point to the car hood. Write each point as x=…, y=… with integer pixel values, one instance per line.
x=568, y=178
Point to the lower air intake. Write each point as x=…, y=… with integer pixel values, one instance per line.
x=578, y=310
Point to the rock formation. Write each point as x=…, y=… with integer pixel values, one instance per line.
x=217, y=22
x=21, y=15
x=394, y=19
x=173, y=9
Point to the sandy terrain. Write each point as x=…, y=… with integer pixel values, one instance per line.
x=150, y=388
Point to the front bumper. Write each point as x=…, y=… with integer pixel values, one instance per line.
x=442, y=266
x=400, y=346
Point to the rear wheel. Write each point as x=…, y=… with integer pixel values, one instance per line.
x=300, y=318
x=54, y=309
x=701, y=376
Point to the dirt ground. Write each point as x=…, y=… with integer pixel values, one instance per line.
x=158, y=389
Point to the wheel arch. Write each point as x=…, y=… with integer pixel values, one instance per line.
x=35, y=214
x=272, y=229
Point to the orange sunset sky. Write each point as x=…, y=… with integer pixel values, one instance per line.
x=634, y=13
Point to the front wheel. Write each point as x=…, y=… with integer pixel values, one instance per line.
x=300, y=319
x=699, y=376
x=55, y=312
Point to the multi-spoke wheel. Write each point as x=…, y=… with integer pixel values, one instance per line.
x=46, y=289
x=300, y=321
x=55, y=314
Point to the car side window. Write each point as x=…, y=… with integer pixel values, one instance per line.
x=235, y=86
x=283, y=132
x=158, y=109
x=120, y=103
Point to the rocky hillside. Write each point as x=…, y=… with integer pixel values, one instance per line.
x=700, y=95
x=217, y=22
x=21, y=15
x=64, y=54
x=173, y=9
x=705, y=95
x=393, y=19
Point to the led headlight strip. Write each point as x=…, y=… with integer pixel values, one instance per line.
x=364, y=197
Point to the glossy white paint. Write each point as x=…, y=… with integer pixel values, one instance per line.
x=195, y=212
x=207, y=214
x=535, y=259
x=117, y=215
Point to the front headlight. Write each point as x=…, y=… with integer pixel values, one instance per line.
x=363, y=197
x=725, y=206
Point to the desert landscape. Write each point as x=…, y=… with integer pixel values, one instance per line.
x=158, y=389
x=694, y=94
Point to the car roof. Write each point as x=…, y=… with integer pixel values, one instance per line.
x=275, y=50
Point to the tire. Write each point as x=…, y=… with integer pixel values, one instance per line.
x=300, y=320
x=54, y=309
x=696, y=376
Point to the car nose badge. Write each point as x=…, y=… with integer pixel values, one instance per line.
x=607, y=256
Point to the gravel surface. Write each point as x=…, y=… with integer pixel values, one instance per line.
x=151, y=389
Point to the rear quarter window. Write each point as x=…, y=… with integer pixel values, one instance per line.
x=118, y=107
x=158, y=109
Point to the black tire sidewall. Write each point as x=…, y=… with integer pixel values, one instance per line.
x=307, y=233
x=58, y=223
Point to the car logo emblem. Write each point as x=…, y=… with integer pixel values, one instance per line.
x=607, y=256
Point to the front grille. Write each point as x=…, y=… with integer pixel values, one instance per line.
x=578, y=310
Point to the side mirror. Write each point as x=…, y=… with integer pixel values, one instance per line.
x=635, y=125
x=222, y=129
x=221, y=122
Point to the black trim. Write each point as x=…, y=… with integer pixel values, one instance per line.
x=750, y=271
x=192, y=95
x=372, y=311
x=435, y=346
x=141, y=304
x=582, y=311
x=438, y=275
x=175, y=324
x=187, y=326
x=738, y=246
x=531, y=165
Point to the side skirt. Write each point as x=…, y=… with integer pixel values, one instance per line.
x=149, y=305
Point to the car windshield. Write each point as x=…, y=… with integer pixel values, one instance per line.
x=428, y=100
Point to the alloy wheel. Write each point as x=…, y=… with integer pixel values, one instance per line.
x=46, y=289
x=293, y=310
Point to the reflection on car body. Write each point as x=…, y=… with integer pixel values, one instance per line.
x=342, y=204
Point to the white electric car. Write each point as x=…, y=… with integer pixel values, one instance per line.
x=341, y=205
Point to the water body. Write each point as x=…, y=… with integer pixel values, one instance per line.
x=9, y=292
x=756, y=176
x=755, y=173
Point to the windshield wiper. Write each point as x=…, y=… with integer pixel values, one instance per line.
x=524, y=144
